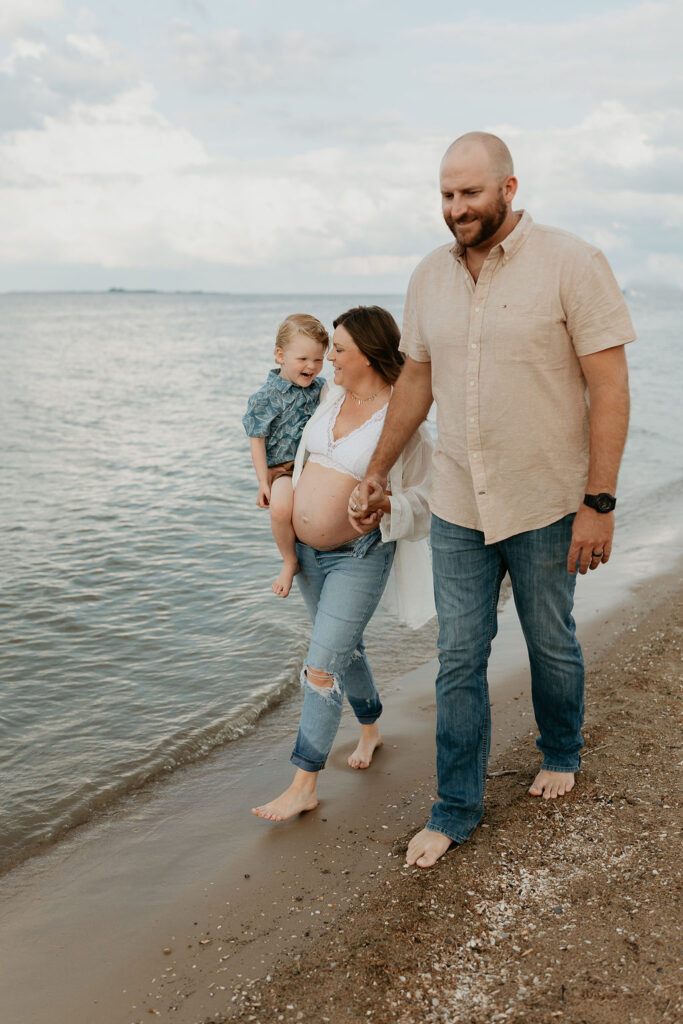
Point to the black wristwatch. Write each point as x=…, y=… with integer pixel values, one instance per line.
x=602, y=502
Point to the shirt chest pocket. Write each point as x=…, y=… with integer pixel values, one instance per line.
x=529, y=332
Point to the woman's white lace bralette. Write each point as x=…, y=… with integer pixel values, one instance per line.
x=350, y=454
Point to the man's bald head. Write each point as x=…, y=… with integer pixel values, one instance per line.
x=496, y=152
x=477, y=189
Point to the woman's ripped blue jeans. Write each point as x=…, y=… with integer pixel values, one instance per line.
x=341, y=589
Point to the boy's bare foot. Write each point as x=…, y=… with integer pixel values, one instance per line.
x=550, y=785
x=283, y=584
x=426, y=847
x=300, y=796
x=368, y=743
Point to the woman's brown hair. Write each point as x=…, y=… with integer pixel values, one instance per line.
x=377, y=335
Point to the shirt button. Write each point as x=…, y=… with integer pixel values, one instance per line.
x=476, y=309
x=471, y=383
x=474, y=344
x=471, y=419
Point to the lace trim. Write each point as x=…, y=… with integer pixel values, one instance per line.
x=331, y=443
x=329, y=463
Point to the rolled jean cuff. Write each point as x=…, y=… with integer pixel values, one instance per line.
x=305, y=764
x=457, y=839
x=575, y=767
x=369, y=718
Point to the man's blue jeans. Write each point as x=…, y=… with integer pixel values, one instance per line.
x=341, y=589
x=467, y=578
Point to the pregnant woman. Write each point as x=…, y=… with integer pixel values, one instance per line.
x=343, y=574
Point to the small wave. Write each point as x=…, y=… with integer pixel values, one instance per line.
x=180, y=750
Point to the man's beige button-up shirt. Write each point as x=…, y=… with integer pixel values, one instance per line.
x=512, y=411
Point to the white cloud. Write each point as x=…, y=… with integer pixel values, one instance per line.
x=667, y=267
x=371, y=266
x=631, y=54
x=38, y=79
x=119, y=185
x=21, y=50
x=230, y=60
x=15, y=15
x=99, y=167
x=90, y=45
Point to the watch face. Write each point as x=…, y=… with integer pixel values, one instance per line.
x=604, y=502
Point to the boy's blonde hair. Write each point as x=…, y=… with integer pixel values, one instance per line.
x=300, y=323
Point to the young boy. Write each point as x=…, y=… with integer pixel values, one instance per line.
x=275, y=418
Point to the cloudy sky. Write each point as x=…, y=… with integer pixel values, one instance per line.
x=293, y=145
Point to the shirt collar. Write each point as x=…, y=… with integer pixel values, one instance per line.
x=511, y=243
x=278, y=382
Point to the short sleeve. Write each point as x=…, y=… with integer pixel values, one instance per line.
x=596, y=311
x=412, y=343
x=259, y=415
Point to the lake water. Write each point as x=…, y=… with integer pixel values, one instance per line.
x=137, y=629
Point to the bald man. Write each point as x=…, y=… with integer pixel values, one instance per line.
x=517, y=332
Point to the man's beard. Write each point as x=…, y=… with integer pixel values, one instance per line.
x=489, y=222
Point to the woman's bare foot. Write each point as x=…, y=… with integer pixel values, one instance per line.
x=283, y=584
x=426, y=847
x=550, y=785
x=300, y=796
x=368, y=743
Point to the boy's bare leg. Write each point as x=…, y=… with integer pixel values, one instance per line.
x=281, y=504
x=302, y=795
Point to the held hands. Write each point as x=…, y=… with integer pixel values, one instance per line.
x=592, y=535
x=367, y=504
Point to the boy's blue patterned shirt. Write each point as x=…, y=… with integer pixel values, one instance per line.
x=279, y=411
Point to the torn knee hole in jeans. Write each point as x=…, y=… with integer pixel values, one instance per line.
x=324, y=686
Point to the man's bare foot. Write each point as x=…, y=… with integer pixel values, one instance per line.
x=368, y=743
x=550, y=785
x=426, y=847
x=283, y=584
x=300, y=796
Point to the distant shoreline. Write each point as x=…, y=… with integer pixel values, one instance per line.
x=630, y=290
x=201, y=291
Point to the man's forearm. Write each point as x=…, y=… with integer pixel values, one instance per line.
x=609, y=415
x=408, y=408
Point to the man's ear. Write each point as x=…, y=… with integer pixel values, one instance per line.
x=510, y=188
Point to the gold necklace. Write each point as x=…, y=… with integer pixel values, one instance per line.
x=363, y=401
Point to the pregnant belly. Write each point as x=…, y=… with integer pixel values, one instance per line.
x=321, y=498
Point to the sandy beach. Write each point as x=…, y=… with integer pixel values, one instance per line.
x=183, y=907
x=555, y=911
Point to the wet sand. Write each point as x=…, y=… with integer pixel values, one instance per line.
x=185, y=907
